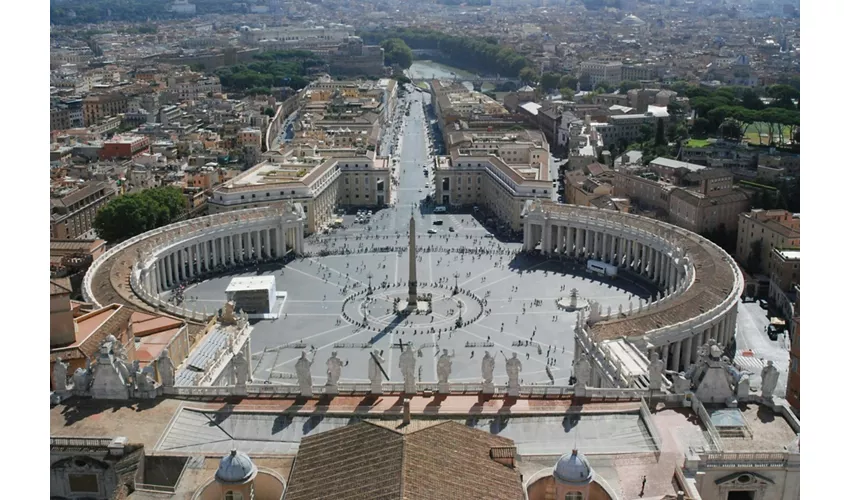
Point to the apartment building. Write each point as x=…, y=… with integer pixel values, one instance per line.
x=60, y=119
x=194, y=86
x=784, y=272
x=707, y=202
x=73, y=209
x=320, y=182
x=628, y=127
x=582, y=189
x=495, y=170
x=124, y=147
x=601, y=71
x=772, y=228
x=97, y=107
x=792, y=392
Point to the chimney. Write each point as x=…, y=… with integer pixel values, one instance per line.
x=680, y=495
x=505, y=455
x=406, y=414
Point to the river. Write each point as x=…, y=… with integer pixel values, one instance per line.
x=427, y=69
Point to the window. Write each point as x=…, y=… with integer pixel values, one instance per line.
x=83, y=483
x=573, y=495
x=233, y=495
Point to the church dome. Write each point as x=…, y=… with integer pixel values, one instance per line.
x=633, y=20
x=573, y=469
x=235, y=468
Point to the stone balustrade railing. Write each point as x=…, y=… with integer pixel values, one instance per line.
x=742, y=460
x=80, y=442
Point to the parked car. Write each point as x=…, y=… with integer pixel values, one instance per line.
x=432, y=231
x=763, y=304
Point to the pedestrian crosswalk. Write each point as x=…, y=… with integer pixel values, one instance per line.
x=748, y=363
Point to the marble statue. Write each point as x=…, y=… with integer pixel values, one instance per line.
x=513, y=366
x=656, y=371
x=240, y=369
x=302, y=370
x=407, y=364
x=60, y=375
x=145, y=381
x=743, y=386
x=769, y=379
x=227, y=314
x=444, y=367
x=375, y=371
x=681, y=384
x=82, y=380
x=582, y=371
x=334, y=369
x=488, y=364
x=166, y=369
x=118, y=350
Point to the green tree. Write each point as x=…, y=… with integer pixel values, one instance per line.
x=646, y=132
x=659, y=133
x=132, y=214
x=627, y=86
x=528, y=75
x=550, y=80
x=268, y=112
x=568, y=81
x=602, y=87
x=567, y=93
x=397, y=53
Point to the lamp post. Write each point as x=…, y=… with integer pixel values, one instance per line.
x=370, y=281
x=456, y=275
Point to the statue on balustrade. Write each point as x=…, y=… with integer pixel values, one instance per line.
x=656, y=371
x=166, y=369
x=334, y=365
x=769, y=379
x=60, y=375
x=302, y=371
x=375, y=361
x=513, y=367
x=488, y=365
x=240, y=369
x=407, y=365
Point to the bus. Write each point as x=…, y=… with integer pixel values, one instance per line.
x=599, y=267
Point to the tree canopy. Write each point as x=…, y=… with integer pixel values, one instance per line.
x=131, y=214
x=284, y=68
x=397, y=53
x=479, y=54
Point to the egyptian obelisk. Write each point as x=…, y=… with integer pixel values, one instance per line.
x=411, y=283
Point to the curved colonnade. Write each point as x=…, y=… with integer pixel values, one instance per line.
x=162, y=259
x=700, y=285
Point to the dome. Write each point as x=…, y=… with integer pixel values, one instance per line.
x=633, y=19
x=235, y=468
x=573, y=469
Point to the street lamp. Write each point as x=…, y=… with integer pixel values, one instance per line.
x=370, y=281
x=456, y=275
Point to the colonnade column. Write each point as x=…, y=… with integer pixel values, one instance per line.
x=688, y=352
x=560, y=241
x=665, y=355
x=569, y=240
x=677, y=353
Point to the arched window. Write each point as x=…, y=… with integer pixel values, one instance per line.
x=573, y=495
x=235, y=495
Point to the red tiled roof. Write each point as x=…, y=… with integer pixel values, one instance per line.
x=370, y=461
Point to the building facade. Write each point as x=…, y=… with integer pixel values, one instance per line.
x=771, y=229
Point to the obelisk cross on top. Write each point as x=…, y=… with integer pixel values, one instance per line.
x=411, y=284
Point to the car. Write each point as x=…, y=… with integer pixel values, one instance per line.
x=432, y=231
x=438, y=222
x=763, y=304
x=451, y=229
x=488, y=235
